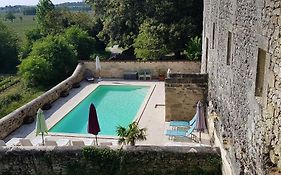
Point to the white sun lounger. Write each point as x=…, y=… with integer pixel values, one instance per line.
x=2, y=143
x=60, y=142
x=78, y=143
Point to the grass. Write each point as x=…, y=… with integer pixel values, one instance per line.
x=20, y=27
x=16, y=95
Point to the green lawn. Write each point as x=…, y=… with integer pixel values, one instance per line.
x=20, y=27
x=14, y=94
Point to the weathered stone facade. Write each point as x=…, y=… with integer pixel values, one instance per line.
x=182, y=92
x=116, y=69
x=137, y=160
x=235, y=33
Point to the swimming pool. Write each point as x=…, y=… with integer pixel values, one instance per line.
x=115, y=104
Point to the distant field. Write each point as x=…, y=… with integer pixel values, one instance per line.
x=13, y=94
x=20, y=27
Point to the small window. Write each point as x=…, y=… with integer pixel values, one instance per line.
x=207, y=54
x=260, y=72
x=228, y=51
x=214, y=33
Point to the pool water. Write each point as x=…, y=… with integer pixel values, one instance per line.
x=116, y=105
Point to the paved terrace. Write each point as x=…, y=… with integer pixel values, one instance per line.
x=152, y=118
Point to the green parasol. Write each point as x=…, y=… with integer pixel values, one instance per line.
x=41, y=124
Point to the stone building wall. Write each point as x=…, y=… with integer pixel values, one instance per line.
x=15, y=119
x=182, y=93
x=116, y=69
x=137, y=160
x=249, y=124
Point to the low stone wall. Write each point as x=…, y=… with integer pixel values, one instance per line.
x=182, y=92
x=116, y=69
x=139, y=160
x=15, y=119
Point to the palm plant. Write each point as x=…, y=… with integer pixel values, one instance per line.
x=131, y=134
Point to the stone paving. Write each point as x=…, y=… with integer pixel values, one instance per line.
x=152, y=117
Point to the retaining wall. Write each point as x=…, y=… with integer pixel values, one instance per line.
x=138, y=160
x=116, y=69
x=182, y=92
x=15, y=119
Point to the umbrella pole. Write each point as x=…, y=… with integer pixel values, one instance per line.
x=42, y=138
x=96, y=139
x=200, y=136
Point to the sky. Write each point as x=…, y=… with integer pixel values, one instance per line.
x=4, y=3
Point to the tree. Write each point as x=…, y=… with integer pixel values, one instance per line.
x=8, y=50
x=131, y=135
x=150, y=43
x=10, y=16
x=82, y=42
x=54, y=56
x=44, y=7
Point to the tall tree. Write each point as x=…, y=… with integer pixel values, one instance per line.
x=44, y=8
x=8, y=50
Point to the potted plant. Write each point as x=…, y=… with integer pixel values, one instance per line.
x=131, y=134
x=161, y=74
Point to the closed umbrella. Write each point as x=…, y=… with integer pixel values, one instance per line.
x=98, y=67
x=93, y=123
x=201, y=120
x=41, y=126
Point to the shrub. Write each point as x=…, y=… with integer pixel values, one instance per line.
x=194, y=48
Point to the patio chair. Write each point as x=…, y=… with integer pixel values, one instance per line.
x=176, y=124
x=141, y=74
x=78, y=143
x=147, y=73
x=2, y=143
x=178, y=133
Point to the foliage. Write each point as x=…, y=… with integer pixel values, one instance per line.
x=150, y=43
x=29, y=11
x=8, y=50
x=123, y=21
x=82, y=42
x=10, y=16
x=194, y=48
x=131, y=134
x=51, y=60
x=44, y=7
x=14, y=95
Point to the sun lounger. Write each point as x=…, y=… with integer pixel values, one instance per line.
x=176, y=124
x=105, y=143
x=77, y=143
x=25, y=142
x=59, y=142
x=177, y=133
x=2, y=143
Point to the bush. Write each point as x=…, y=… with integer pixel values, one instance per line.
x=194, y=48
x=51, y=60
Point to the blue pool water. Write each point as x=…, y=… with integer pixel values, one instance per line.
x=115, y=105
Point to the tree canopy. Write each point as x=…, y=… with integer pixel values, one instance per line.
x=8, y=50
x=123, y=22
x=51, y=60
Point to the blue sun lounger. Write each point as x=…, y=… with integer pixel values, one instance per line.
x=177, y=133
x=183, y=123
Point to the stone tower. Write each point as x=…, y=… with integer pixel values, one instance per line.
x=242, y=56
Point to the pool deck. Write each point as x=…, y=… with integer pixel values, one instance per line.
x=152, y=117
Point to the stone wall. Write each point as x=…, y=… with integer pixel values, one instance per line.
x=15, y=119
x=139, y=160
x=116, y=69
x=182, y=92
x=248, y=124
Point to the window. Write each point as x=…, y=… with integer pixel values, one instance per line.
x=207, y=54
x=214, y=33
x=260, y=72
x=228, y=51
